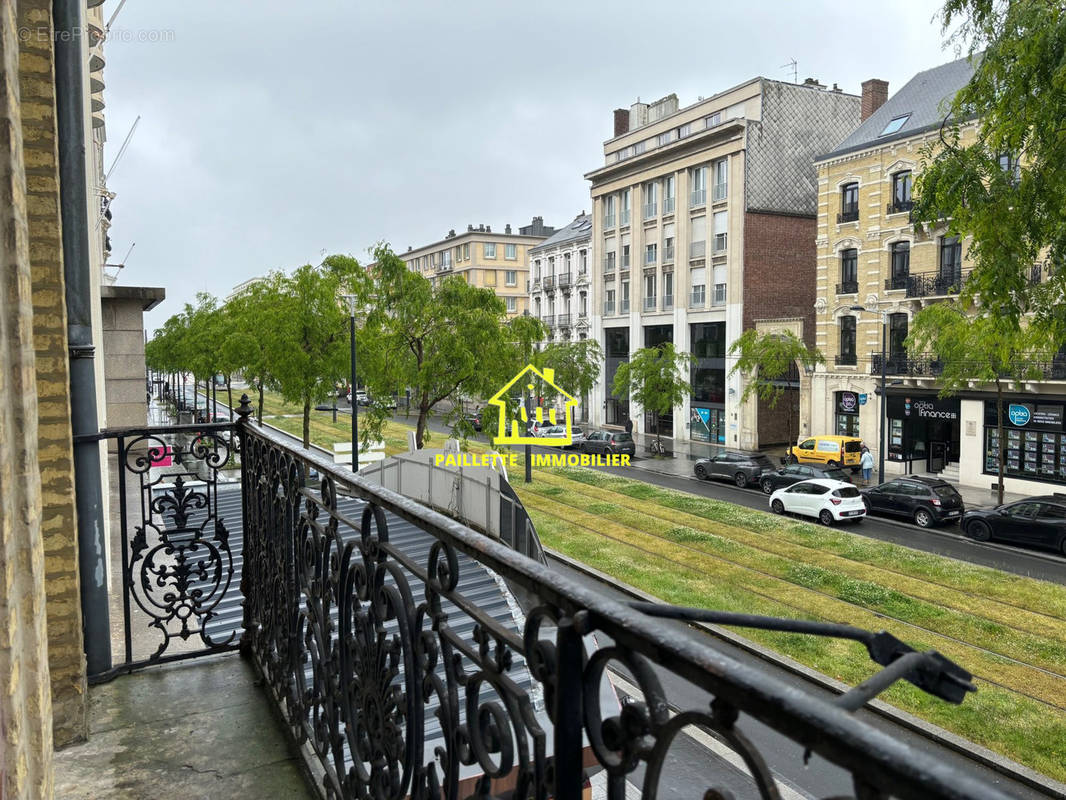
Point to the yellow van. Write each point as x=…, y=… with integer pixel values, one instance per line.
x=833, y=451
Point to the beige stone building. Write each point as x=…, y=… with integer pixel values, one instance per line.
x=703, y=225
x=874, y=273
x=493, y=260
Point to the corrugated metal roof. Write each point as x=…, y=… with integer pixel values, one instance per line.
x=924, y=100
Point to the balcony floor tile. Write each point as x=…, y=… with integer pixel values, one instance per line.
x=199, y=729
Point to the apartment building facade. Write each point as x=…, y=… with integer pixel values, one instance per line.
x=560, y=281
x=497, y=261
x=703, y=222
x=874, y=273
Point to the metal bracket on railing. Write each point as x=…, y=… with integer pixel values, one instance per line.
x=928, y=670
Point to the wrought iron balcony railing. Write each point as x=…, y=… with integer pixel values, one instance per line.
x=846, y=360
x=851, y=215
x=917, y=366
x=562, y=321
x=364, y=614
x=548, y=283
x=848, y=287
x=565, y=280
x=899, y=206
x=549, y=320
x=896, y=283
x=936, y=284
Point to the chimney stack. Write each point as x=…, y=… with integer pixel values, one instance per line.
x=621, y=121
x=507, y=228
x=874, y=95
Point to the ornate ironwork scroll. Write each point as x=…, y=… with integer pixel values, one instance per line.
x=373, y=623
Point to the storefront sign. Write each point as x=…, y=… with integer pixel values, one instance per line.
x=1018, y=414
x=862, y=399
x=923, y=408
x=848, y=402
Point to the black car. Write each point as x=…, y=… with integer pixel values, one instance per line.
x=1039, y=521
x=794, y=473
x=926, y=501
x=609, y=442
x=473, y=420
x=734, y=465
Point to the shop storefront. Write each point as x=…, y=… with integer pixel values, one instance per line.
x=923, y=431
x=847, y=412
x=1035, y=447
x=707, y=405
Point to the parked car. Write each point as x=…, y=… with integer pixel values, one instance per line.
x=577, y=435
x=794, y=473
x=832, y=451
x=609, y=442
x=925, y=501
x=737, y=466
x=473, y=418
x=828, y=500
x=1039, y=521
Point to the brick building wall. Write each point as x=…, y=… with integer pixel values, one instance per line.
x=25, y=700
x=780, y=284
x=55, y=446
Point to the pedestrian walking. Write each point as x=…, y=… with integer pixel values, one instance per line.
x=866, y=462
x=629, y=425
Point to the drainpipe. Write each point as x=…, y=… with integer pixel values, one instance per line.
x=69, y=22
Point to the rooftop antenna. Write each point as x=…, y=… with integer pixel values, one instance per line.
x=795, y=69
x=111, y=21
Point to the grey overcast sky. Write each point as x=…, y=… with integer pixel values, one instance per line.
x=272, y=132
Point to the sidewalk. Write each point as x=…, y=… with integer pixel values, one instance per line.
x=683, y=467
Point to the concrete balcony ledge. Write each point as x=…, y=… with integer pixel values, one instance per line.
x=202, y=728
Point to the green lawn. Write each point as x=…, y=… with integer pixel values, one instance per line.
x=1008, y=630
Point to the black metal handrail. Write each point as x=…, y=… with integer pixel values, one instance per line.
x=364, y=642
x=896, y=283
x=936, y=284
x=917, y=366
x=845, y=360
x=899, y=206
x=848, y=287
x=847, y=216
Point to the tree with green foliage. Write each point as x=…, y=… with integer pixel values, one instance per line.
x=577, y=364
x=657, y=378
x=245, y=348
x=978, y=348
x=1006, y=186
x=766, y=360
x=304, y=327
x=442, y=342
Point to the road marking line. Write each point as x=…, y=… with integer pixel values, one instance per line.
x=721, y=750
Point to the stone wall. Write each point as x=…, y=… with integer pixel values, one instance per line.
x=25, y=700
x=123, y=352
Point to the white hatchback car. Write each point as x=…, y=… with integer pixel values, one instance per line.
x=826, y=499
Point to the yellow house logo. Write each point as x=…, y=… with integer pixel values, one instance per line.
x=517, y=421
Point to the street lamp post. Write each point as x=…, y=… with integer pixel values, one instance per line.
x=884, y=397
x=355, y=406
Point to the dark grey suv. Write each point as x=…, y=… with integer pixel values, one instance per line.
x=739, y=467
x=925, y=501
x=609, y=442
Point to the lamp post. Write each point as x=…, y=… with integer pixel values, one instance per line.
x=884, y=396
x=351, y=300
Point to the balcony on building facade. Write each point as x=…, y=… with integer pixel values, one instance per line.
x=668, y=302
x=899, y=206
x=651, y=210
x=895, y=283
x=848, y=287
x=697, y=198
x=698, y=297
x=608, y=263
x=668, y=205
x=608, y=308
x=851, y=215
x=409, y=643
x=562, y=321
x=564, y=280
x=548, y=319
x=548, y=284
x=721, y=190
x=651, y=303
x=936, y=284
x=668, y=254
x=719, y=296
x=846, y=360
x=624, y=220
x=904, y=365
x=697, y=249
x=608, y=221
